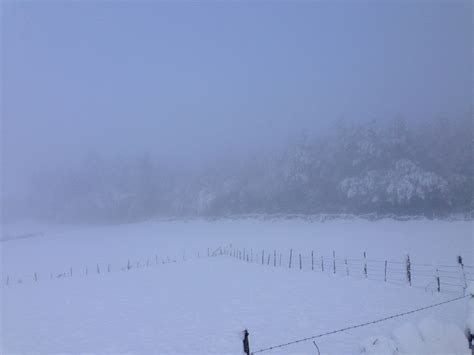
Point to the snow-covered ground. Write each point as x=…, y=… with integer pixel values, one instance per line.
x=199, y=305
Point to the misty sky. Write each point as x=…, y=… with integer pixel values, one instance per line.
x=188, y=80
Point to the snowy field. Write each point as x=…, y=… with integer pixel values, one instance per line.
x=199, y=305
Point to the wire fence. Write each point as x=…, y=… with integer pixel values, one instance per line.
x=430, y=277
x=283, y=345
x=105, y=268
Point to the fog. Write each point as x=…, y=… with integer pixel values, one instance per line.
x=193, y=96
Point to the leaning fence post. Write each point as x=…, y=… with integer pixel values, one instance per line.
x=291, y=254
x=365, y=264
x=408, y=267
x=246, y=342
x=385, y=272
x=334, y=261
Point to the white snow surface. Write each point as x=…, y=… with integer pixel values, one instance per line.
x=201, y=305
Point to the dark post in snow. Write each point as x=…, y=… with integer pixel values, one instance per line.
x=268, y=259
x=347, y=267
x=438, y=281
x=312, y=260
x=291, y=254
x=280, y=260
x=334, y=261
x=322, y=263
x=245, y=342
x=128, y=264
x=263, y=257
x=36, y=277
x=8, y=280
x=385, y=272
x=408, y=266
x=251, y=255
x=365, y=264
x=461, y=265
x=301, y=266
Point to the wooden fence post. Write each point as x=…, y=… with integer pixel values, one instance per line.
x=437, y=280
x=334, y=261
x=291, y=254
x=312, y=260
x=263, y=257
x=385, y=272
x=408, y=267
x=347, y=267
x=322, y=263
x=365, y=264
x=301, y=265
x=246, y=342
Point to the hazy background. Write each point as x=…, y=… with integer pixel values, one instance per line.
x=195, y=82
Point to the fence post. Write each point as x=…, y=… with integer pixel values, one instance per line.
x=437, y=280
x=312, y=260
x=334, y=261
x=408, y=266
x=36, y=277
x=268, y=259
x=263, y=257
x=347, y=267
x=246, y=342
x=322, y=263
x=291, y=254
x=128, y=264
x=385, y=272
x=365, y=264
x=461, y=265
x=301, y=265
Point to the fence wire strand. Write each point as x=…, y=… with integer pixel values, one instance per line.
x=359, y=325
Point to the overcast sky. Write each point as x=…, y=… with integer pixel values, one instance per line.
x=188, y=79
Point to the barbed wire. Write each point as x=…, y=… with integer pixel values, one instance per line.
x=359, y=325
